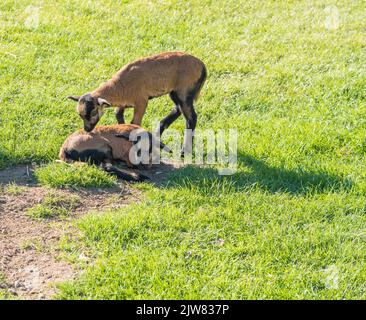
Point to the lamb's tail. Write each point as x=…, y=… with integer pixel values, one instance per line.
x=200, y=82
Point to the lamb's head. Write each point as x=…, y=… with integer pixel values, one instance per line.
x=90, y=109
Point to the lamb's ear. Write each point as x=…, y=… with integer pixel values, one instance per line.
x=103, y=102
x=75, y=98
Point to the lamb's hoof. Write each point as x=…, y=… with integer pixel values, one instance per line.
x=183, y=153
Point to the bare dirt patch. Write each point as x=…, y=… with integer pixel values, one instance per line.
x=20, y=175
x=29, y=258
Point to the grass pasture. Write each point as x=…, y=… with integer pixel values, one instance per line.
x=290, y=76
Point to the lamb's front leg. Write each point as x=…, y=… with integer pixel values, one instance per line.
x=120, y=115
x=138, y=112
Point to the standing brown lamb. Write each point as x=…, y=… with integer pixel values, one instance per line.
x=179, y=74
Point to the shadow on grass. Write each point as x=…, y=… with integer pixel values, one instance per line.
x=257, y=173
x=252, y=173
x=3, y=159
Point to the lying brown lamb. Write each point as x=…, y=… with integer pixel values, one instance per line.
x=106, y=144
x=179, y=74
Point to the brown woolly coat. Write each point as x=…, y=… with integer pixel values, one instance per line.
x=102, y=140
x=150, y=77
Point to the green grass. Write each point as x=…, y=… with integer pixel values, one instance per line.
x=13, y=189
x=4, y=294
x=59, y=175
x=288, y=223
x=54, y=205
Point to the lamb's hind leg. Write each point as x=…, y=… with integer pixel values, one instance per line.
x=108, y=167
x=173, y=115
x=122, y=174
x=190, y=115
x=188, y=111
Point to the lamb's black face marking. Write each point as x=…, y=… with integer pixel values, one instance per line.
x=88, y=111
x=90, y=106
